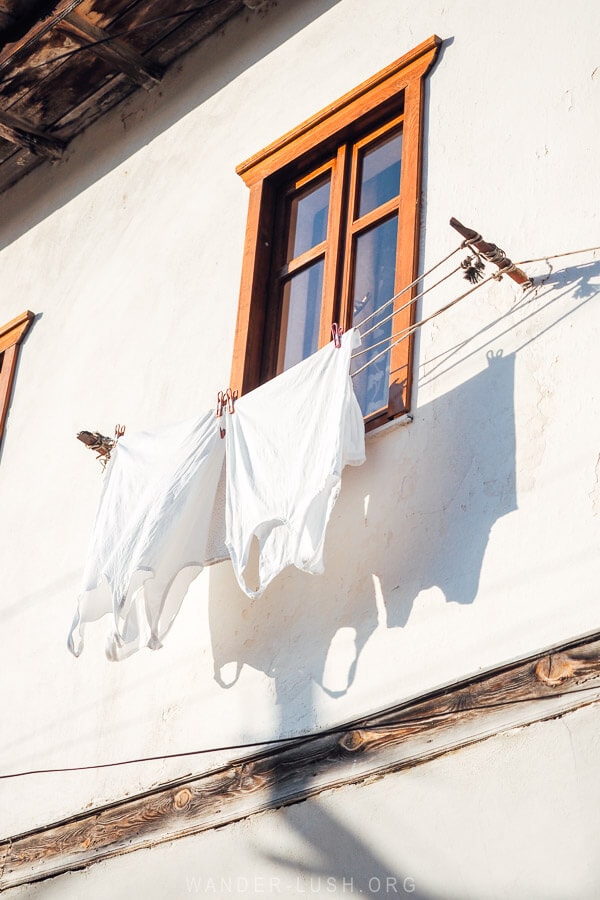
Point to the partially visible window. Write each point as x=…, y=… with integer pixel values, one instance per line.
x=332, y=235
x=11, y=336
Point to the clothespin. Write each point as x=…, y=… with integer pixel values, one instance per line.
x=231, y=398
x=225, y=399
x=219, y=412
x=336, y=334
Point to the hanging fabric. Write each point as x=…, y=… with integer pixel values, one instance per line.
x=156, y=526
x=287, y=443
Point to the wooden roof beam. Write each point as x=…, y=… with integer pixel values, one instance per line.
x=19, y=131
x=112, y=50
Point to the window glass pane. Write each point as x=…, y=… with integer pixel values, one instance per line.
x=301, y=313
x=308, y=219
x=374, y=276
x=380, y=174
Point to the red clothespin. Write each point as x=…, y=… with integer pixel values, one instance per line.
x=225, y=399
x=231, y=398
x=221, y=401
x=336, y=334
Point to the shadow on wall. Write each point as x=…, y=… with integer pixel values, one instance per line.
x=340, y=863
x=420, y=527
x=450, y=477
x=426, y=524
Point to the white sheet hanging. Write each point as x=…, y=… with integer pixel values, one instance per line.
x=155, y=527
x=287, y=443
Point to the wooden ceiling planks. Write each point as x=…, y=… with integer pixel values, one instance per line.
x=190, y=32
x=28, y=72
x=103, y=14
x=71, y=61
x=63, y=88
x=113, y=50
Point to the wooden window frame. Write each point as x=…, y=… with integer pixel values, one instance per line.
x=11, y=336
x=397, y=89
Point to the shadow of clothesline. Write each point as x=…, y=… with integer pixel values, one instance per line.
x=555, y=285
x=426, y=525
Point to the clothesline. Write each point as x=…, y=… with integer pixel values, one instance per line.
x=162, y=516
x=525, y=262
x=402, y=335
x=407, y=288
x=405, y=333
x=160, y=512
x=410, y=302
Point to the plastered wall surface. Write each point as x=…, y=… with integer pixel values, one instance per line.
x=468, y=539
x=502, y=818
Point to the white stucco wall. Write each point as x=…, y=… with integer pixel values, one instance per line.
x=470, y=536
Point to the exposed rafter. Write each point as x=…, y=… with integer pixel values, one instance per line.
x=18, y=131
x=113, y=50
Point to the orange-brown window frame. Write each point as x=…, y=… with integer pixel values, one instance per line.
x=397, y=89
x=11, y=336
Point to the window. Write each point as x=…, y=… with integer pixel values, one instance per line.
x=11, y=336
x=332, y=234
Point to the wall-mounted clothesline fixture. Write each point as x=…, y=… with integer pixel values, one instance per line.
x=492, y=253
x=100, y=444
x=472, y=268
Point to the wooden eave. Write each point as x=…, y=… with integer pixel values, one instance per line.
x=64, y=64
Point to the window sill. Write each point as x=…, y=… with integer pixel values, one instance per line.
x=406, y=419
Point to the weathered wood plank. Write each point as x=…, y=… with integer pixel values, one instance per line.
x=17, y=131
x=83, y=114
x=26, y=72
x=194, y=30
x=114, y=51
x=540, y=688
x=104, y=14
x=45, y=24
x=66, y=86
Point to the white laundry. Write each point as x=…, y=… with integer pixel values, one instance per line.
x=287, y=443
x=155, y=526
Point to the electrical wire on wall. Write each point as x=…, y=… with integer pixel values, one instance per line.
x=296, y=740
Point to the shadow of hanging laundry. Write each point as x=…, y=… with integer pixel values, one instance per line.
x=428, y=524
x=464, y=483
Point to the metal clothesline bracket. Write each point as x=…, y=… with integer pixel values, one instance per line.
x=491, y=253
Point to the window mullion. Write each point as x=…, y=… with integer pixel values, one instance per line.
x=330, y=311
x=347, y=311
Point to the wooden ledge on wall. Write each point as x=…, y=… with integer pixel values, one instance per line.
x=542, y=687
